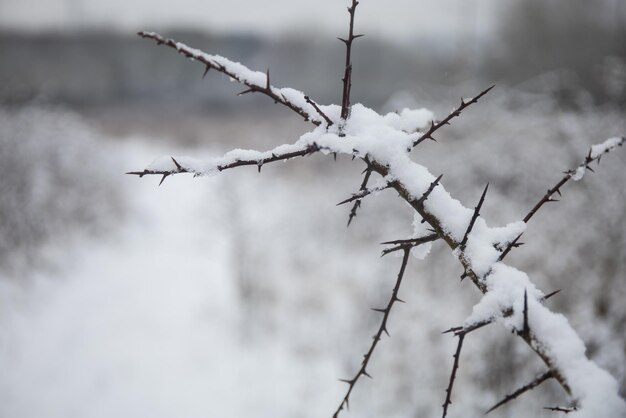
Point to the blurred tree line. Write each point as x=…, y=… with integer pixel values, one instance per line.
x=574, y=49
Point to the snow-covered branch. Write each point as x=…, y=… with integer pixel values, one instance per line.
x=256, y=81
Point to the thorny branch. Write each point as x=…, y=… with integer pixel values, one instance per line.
x=446, y=121
x=530, y=386
x=209, y=63
x=376, y=338
x=455, y=367
x=549, y=196
x=403, y=244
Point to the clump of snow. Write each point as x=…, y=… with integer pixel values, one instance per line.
x=580, y=173
x=484, y=245
x=606, y=146
x=409, y=120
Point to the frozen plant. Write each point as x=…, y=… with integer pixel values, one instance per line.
x=384, y=144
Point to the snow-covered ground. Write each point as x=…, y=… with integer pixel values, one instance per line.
x=244, y=295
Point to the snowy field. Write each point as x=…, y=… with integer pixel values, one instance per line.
x=244, y=295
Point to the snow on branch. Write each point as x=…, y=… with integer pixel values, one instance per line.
x=256, y=81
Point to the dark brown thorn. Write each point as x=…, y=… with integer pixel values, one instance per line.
x=381, y=310
x=178, y=166
x=165, y=175
x=432, y=186
x=268, y=86
x=530, y=386
x=455, y=367
x=474, y=217
x=357, y=204
x=549, y=295
x=407, y=243
x=250, y=90
x=526, y=328
x=206, y=70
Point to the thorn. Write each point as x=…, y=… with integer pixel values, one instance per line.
x=206, y=70
x=358, y=36
x=549, y=295
x=250, y=90
x=365, y=373
x=267, y=84
x=163, y=178
x=343, y=40
x=178, y=166
x=463, y=276
x=526, y=328
x=379, y=310
x=397, y=299
x=346, y=381
x=259, y=165
x=335, y=156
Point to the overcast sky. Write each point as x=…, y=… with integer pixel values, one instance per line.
x=389, y=18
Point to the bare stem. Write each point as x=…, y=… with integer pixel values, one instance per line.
x=347, y=75
x=376, y=338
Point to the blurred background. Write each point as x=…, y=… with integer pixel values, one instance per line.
x=244, y=295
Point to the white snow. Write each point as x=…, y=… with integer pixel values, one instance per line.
x=606, y=146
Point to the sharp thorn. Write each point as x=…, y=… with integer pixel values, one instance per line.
x=549, y=295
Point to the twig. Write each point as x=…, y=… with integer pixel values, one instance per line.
x=446, y=121
x=329, y=122
x=530, y=386
x=455, y=367
x=222, y=65
x=377, y=337
x=347, y=75
x=403, y=244
x=357, y=203
x=548, y=197
x=238, y=163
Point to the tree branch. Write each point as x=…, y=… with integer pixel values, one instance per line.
x=530, y=386
x=556, y=189
x=455, y=367
x=256, y=81
x=377, y=337
x=446, y=121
